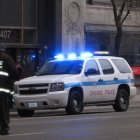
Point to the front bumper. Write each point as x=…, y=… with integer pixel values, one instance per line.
x=43, y=101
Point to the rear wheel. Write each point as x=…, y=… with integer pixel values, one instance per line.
x=122, y=101
x=25, y=113
x=75, y=103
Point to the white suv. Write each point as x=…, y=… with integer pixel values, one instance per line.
x=74, y=83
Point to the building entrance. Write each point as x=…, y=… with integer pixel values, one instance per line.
x=26, y=59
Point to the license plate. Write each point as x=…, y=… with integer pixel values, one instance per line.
x=32, y=105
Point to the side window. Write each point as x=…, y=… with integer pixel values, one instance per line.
x=92, y=68
x=121, y=65
x=106, y=66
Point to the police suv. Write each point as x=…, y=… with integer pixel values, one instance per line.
x=74, y=82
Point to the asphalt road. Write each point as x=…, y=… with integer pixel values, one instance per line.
x=100, y=124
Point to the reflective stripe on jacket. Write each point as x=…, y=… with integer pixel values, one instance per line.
x=5, y=75
x=8, y=73
x=2, y=73
x=4, y=90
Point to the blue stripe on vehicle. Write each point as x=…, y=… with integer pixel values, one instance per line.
x=99, y=83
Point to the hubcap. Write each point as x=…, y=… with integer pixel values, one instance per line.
x=75, y=104
x=123, y=102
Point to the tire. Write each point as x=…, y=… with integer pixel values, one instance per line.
x=75, y=103
x=25, y=113
x=122, y=101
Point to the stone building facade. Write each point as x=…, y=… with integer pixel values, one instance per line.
x=35, y=30
x=100, y=19
x=90, y=26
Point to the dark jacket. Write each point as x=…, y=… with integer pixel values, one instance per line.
x=7, y=66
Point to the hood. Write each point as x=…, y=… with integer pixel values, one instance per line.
x=42, y=79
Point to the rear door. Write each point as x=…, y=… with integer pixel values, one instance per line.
x=108, y=80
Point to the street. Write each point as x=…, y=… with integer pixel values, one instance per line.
x=92, y=124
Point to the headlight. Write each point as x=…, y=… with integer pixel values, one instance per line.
x=57, y=87
x=15, y=89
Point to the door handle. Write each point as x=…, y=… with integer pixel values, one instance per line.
x=115, y=78
x=100, y=80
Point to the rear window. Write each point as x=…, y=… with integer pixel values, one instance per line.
x=106, y=66
x=121, y=65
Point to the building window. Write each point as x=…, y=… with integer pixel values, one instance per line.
x=97, y=41
x=101, y=2
x=11, y=12
x=29, y=13
x=89, y=2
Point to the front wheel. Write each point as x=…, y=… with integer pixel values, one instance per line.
x=122, y=101
x=25, y=113
x=75, y=103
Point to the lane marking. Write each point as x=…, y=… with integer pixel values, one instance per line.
x=26, y=134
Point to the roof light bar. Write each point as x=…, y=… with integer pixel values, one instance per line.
x=83, y=55
x=86, y=55
x=101, y=52
x=59, y=56
x=71, y=56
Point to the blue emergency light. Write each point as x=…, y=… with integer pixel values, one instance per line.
x=59, y=56
x=83, y=55
x=71, y=56
x=86, y=55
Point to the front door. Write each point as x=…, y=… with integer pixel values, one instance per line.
x=94, y=92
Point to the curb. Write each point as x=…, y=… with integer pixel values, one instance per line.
x=134, y=103
x=86, y=108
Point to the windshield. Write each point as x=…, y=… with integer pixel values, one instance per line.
x=61, y=67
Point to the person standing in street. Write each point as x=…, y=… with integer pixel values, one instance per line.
x=8, y=75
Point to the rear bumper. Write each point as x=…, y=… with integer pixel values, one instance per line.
x=133, y=92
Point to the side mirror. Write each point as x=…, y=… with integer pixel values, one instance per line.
x=91, y=72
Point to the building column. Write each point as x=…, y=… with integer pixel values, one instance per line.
x=72, y=26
